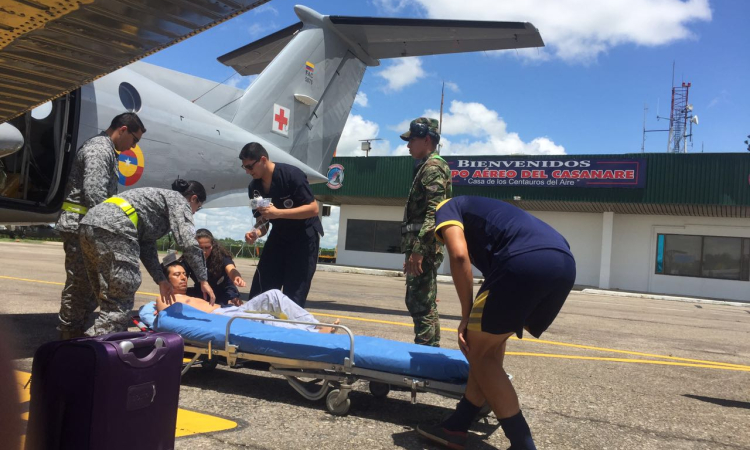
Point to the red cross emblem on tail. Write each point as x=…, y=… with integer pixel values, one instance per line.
x=281, y=118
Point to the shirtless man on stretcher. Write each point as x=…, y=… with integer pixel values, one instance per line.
x=271, y=304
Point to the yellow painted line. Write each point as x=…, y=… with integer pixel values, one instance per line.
x=626, y=360
x=188, y=422
x=700, y=362
x=627, y=352
x=191, y=422
x=360, y=319
x=57, y=283
x=696, y=362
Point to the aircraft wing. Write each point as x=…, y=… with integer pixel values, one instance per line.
x=51, y=47
x=393, y=38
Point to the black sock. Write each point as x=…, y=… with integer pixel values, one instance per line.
x=462, y=417
x=517, y=431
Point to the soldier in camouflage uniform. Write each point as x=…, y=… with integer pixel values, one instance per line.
x=116, y=232
x=431, y=185
x=92, y=179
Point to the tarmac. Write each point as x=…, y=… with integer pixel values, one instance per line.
x=615, y=371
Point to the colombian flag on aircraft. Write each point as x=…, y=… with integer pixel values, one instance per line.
x=130, y=165
x=310, y=67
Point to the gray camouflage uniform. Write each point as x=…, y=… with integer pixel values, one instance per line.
x=111, y=246
x=92, y=179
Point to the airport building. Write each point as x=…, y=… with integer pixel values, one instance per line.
x=675, y=224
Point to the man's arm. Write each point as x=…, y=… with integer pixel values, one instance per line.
x=460, y=262
x=300, y=212
x=300, y=192
x=463, y=279
x=434, y=182
x=150, y=259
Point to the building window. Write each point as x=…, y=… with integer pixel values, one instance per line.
x=726, y=258
x=373, y=236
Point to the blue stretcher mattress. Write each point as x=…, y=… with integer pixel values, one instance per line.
x=372, y=353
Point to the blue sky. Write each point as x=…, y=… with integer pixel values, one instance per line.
x=584, y=93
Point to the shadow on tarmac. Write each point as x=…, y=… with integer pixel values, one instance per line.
x=388, y=410
x=720, y=401
x=28, y=331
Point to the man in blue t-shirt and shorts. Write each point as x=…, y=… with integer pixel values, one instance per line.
x=529, y=271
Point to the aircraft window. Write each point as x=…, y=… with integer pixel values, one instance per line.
x=129, y=97
x=42, y=112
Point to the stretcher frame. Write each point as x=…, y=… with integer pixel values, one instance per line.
x=341, y=377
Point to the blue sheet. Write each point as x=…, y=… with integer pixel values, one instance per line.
x=371, y=353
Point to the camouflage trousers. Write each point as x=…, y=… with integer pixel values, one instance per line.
x=114, y=273
x=420, y=301
x=77, y=301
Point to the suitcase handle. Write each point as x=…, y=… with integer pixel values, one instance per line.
x=125, y=351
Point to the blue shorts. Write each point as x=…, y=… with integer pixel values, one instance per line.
x=526, y=290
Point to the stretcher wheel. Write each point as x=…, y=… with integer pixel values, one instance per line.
x=379, y=390
x=209, y=365
x=338, y=410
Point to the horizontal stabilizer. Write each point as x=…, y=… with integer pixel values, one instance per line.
x=381, y=38
x=253, y=58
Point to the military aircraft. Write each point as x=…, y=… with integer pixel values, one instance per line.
x=296, y=108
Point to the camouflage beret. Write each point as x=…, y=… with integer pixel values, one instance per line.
x=417, y=124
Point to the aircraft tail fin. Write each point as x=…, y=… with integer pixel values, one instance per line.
x=311, y=71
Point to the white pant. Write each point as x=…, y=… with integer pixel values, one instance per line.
x=275, y=303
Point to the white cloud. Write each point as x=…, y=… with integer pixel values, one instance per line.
x=401, y=73
x=356, y=129
x=451, y=86
x=226, y=222
x=723, y=97
x=240, y=82
x=579, y=30
x=235, y=222
x=361, y=99
x=473, y=129
x=267, y=8
x=260, y=29
x=391, y=6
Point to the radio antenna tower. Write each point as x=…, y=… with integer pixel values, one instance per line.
x=681, y=119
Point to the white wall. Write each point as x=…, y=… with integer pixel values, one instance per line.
x=633, y=253
x=345, y=257
x=583, y=231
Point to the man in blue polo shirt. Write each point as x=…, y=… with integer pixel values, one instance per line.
x=290, y=254
x=529, y=271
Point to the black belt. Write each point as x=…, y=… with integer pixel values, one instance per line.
x=411, y=227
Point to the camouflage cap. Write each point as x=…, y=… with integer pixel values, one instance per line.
x=417, y=126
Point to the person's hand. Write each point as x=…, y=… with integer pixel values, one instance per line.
x=208, y=293
x=235, y=302
x=239, y=282
x=413, y=265
x=463, y=342
x=270, y=212
x=252, y=236
x=166, y=292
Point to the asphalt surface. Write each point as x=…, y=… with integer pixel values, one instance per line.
x=611, y=372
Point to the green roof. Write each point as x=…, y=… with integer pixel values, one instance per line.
x=699, y=184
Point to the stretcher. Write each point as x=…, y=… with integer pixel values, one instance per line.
x=336, y=361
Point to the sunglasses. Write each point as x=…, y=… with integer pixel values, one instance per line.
x=250, y=166
x=135, y=139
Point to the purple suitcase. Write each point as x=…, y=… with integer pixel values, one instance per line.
x=117, y=391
